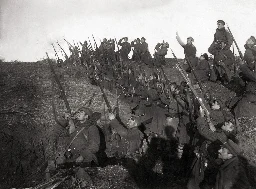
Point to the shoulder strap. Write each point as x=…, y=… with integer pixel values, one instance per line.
x=75, y=137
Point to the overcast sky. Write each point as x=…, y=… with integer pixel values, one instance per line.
x=28, y=27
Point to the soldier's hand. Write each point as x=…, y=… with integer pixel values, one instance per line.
x=111, y=116
x=212, y=127
x=80, y=159
x=202, y=112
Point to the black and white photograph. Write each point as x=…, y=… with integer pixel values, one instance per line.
x=127, y=94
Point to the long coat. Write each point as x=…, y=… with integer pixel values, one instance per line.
x=233, y=175
x=246, y=107
x=85, y=143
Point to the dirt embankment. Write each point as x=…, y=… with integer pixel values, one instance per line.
x=28, y=129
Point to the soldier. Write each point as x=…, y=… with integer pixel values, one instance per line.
x=85, y=141
x=126, y=48
x=206, y=135
x=145, y=54
x=233, y=173
x=250, y=50
x=223, y=56
x=85, y=136
x=103, y=48
x=127, y=137
x=110, y=45
x=222, y=39
x=202, y=70
x=157, y=111
x=189, y=51
x=246, y=106
x=136, y=50
x=85, y=54
x=161, y=50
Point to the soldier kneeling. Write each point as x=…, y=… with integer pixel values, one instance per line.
x=84, y=144
x=126, y=139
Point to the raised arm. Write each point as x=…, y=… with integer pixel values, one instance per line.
x=179, y=40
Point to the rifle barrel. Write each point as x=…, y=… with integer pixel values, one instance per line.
x=238, y=49
x=59, y=84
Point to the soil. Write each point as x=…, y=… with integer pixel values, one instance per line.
x=29, y=132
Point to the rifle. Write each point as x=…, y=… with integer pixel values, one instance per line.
x=69, y=44
x=105, y=97
x=63, y=94
x=88, y=103
x=56, y=54
x=119, y=58
x=240, y=53
x=90, y=44
x=54, y=183
x=54, y=108
x=184, y=75
x=66, y=56
x=95, y=44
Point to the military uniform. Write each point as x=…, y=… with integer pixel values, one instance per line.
x=137, y=50
x=190, y=55
x=145, y=54
x=223, y=64
x=125, y=50
x=202, y=71
x=124, y=140
x=204, y=137
x=160, y=53
x=246, y=106
x=86, y=143
x=220, y=36
x=233, y=174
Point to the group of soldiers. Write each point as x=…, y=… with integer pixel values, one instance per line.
x=164, y=109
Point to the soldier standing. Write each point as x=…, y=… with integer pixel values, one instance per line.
x=189, y=51
x=161, y=50
x=136, y=50
x=222, y=39
x=223, y=56
x=145, y=54
x=126, y=48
